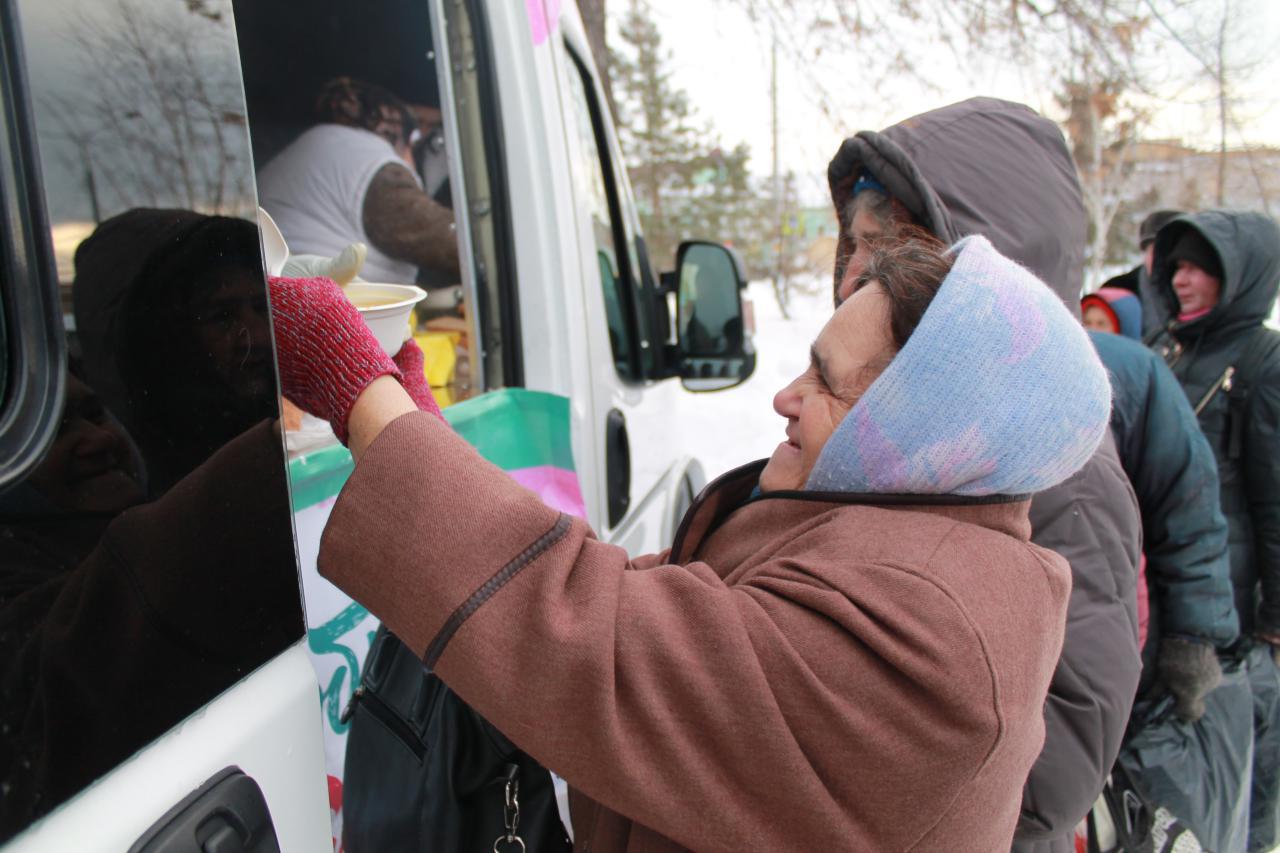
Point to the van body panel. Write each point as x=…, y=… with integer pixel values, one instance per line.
x=268, y=725
x=654, y=468
x=558, y=348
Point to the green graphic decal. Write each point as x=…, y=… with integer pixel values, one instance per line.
x=324, y=640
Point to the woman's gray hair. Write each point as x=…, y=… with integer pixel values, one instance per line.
x=879, y=204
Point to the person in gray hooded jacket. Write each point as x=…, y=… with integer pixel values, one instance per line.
x=996, y=168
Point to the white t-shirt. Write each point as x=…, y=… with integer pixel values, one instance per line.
x=315, y=188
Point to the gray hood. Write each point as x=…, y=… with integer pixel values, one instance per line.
x=981, y=166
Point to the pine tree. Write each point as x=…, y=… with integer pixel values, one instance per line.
x=687, y=185
x=664, y=149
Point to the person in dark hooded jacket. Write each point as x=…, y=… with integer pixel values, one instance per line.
x=1218, y=273
x=991, y=167
x=1155, y=314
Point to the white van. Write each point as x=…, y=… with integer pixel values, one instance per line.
x=156, y=691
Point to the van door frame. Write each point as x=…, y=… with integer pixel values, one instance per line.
x=34, y=382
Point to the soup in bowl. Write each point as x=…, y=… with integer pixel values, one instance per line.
x=385, y=309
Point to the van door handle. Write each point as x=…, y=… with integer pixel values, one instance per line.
x=227, y=814
x=617, y=465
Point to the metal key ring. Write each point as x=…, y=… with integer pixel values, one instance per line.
x=508, y=839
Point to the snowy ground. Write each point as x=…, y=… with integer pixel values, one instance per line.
x=727, y=428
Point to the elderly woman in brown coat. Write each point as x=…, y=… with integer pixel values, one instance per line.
x=847, y=646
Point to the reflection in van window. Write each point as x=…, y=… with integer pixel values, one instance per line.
x=147, y=564
x=4, y=359
x=709, y=282
x=590, y=189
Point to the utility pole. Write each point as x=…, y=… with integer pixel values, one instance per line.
x=779, y=284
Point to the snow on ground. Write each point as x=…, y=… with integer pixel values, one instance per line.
x=724, y=429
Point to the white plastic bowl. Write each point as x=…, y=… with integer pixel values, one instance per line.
x=386, y=309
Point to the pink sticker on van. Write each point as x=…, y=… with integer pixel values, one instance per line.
x=543, y=15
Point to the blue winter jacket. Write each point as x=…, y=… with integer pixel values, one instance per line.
x=1173, y=472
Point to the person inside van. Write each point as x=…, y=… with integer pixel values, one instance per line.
x=848, y=645
x=352, y=178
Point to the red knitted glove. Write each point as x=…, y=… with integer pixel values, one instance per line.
x=411, y=362
x=327, y=354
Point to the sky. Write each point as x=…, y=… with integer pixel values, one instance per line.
x=722, y=60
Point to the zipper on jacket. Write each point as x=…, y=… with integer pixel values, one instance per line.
x=491, y=586
x=350, y=708
x=1223, y=384
x=1172, y=352
x=384, y=713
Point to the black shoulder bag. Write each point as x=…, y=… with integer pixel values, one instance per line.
x=425, y=772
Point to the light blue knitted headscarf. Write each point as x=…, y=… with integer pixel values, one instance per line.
x=997, y=391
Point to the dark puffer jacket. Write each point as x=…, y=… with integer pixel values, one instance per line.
x=1246, y=441
x=996, y=168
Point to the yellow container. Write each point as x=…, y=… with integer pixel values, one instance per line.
x=441, y=354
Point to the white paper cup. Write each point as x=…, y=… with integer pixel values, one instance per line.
x=386, y=309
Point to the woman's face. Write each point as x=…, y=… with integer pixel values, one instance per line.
x=852, y=350
x=1196, y=289
x=864, y=232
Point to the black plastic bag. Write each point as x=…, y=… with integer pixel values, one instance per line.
x=1201, y=772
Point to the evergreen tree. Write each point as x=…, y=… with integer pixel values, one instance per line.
x=687, y=185
x=656, y=125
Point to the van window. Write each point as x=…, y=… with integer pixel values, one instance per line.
x=595, y=185
x=147, y=563
x=588, y=180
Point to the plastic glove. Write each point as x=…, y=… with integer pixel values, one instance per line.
x=327, y=354
x=1189, y=669
x=342, y=269
x=411, y=362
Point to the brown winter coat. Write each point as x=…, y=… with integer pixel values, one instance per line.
x=801, y=672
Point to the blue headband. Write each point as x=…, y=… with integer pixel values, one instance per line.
x=867, y=181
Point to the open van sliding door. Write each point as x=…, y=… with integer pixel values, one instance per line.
x=152, y=676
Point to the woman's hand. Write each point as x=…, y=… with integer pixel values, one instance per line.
x=327, y=354
x=413, y=377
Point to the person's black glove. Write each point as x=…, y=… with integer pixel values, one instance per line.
x=1189, y=669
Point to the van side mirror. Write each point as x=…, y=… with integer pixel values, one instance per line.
x=715, y=349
